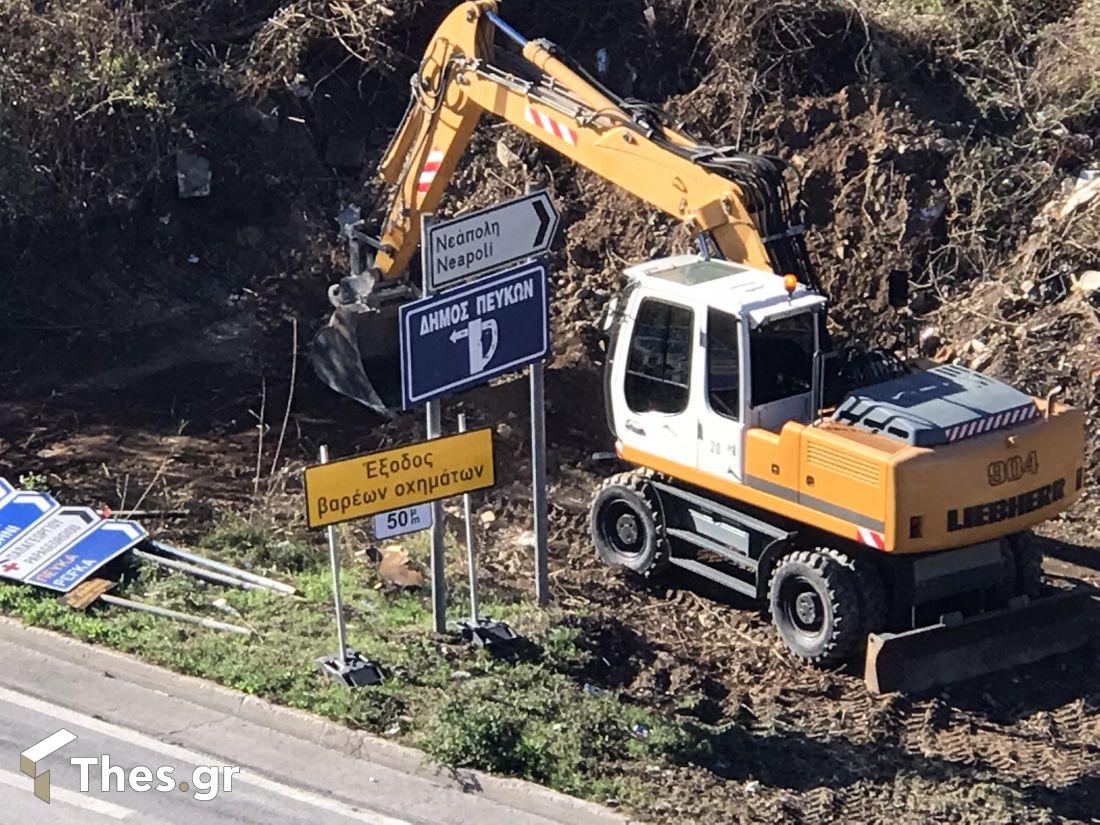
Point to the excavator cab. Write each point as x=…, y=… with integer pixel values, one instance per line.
x=706, y=350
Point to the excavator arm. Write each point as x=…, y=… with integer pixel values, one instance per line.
x=736, y=202
x=459, y=82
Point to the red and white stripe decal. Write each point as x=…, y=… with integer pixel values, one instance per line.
x=551, y=126
x=992, y=422
x=435, y=160
x=871, y=538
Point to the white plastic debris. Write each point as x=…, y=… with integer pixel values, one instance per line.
x=603, y=62
x=1088, y=283
x=193, y=175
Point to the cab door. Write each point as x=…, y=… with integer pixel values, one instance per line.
x=780, y=366
x=721, y=431
x=651, y=378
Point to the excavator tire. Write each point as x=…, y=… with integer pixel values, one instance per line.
x=627, y=525
x=873, y=598
x=815, y=605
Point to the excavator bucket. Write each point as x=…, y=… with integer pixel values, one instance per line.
x=925, y=658
x=356, y=344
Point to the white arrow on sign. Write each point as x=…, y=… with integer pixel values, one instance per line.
x=488, y=239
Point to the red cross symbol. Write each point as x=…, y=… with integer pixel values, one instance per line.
x=11, y=565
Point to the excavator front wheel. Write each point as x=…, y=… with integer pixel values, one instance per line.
x=816, y=607
x=626, y=524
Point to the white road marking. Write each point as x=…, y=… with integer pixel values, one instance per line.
x=181, y=754
x=79, y=800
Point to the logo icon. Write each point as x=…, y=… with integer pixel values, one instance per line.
x=480, y=355
x=32, y=756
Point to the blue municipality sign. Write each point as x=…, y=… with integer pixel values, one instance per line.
x=465, y=337
x=105, y=541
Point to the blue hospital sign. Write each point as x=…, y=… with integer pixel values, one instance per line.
x=107, y=540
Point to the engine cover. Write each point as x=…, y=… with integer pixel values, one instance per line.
x=944, y=404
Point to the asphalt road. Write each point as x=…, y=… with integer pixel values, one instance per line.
x=293, y=768
x=251, y=799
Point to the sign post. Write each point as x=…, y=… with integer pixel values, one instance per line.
x=471, y=561
x=538, y=483
x=470, y=334
x=347, y=665
x=482, y=631
x=438, y=561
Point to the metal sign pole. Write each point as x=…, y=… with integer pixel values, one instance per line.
x=538, y=482
x=439, y=581
x=334, y=565
x=471, y=561
x=347, y=665
x=435, y=430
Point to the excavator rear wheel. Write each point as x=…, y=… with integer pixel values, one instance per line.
x=816, y=607
x=627, y=525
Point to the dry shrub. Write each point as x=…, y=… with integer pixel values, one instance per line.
x=359, y=27
x=1066, y=80
x=85, y=102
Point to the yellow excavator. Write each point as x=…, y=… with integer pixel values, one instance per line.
x=876, y=507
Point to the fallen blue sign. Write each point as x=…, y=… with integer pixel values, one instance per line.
x=42, y=542
x=465, y=337
x=20, y=511
x=105, y=541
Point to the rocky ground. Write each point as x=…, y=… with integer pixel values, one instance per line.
x=155, y=339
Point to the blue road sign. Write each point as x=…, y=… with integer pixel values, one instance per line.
x=105, y=541
x=44, y=540
x=462, y=338
x=5, y=490
x=21, y=510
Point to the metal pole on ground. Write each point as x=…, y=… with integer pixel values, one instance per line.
x=439, y=581
x=174, y=614
x=471, y=561
x=538, y=482
x=199, y=572
x=195, y=558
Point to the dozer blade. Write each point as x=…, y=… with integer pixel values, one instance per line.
x=940, y=654
x=338, y=350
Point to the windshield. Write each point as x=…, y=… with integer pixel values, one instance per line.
x=782, y=355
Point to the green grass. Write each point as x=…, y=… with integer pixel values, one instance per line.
x=528, y=718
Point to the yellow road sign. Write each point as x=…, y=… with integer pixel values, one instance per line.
x=374, y=483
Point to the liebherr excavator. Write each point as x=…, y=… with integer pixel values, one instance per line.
x=872, y=505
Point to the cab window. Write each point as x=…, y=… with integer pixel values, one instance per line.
x=658, y=366
x=723, y=369
x=782, y=356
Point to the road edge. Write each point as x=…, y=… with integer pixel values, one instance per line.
x=516, y=793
